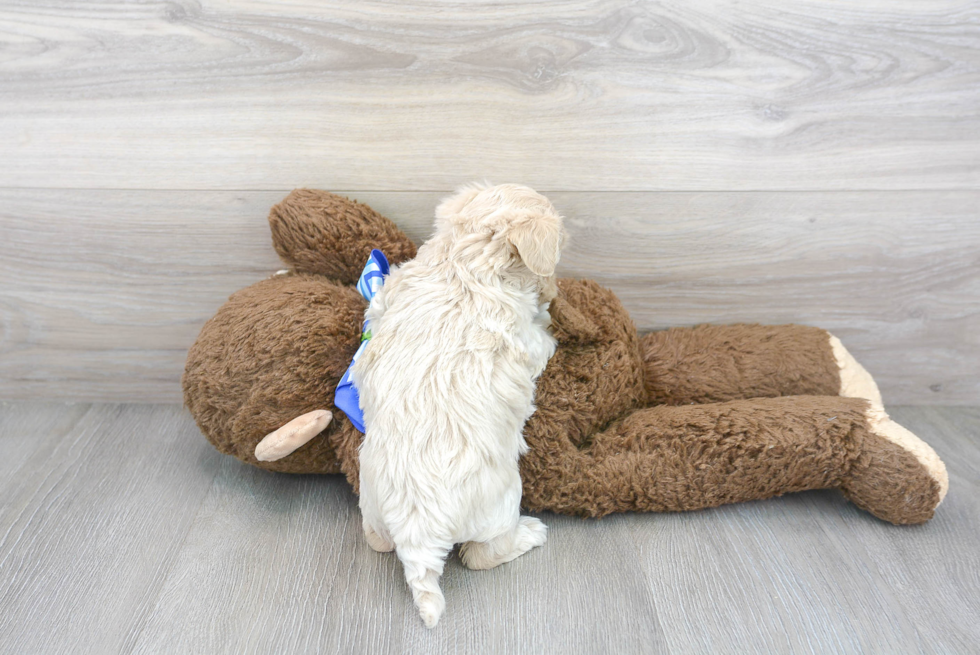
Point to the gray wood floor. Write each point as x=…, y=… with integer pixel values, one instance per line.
x=121, y=530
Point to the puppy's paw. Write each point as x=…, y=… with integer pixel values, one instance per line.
x=527, y=534
x=531, y=533
x=478, y=556
x=376, y=541
x=431, y=606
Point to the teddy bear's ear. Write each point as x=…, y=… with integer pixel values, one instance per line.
x=568, y=323
x=323, y=233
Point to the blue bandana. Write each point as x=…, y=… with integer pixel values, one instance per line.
x=371, y=281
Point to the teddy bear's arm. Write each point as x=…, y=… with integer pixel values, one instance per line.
x=675, y=458
x=323, y=233
x=714, y=363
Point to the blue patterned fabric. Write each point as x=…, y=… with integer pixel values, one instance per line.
x=372, y=279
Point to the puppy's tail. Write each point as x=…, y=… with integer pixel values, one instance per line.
x=423, y=568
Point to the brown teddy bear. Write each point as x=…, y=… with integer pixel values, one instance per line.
x=674, y=420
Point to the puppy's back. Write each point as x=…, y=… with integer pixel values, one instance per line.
x=445, y=369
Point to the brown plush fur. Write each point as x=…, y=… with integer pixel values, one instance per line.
x=885, y=481
x=680, y=419
x=322, y=233
x=274, y=351
x=738, y=361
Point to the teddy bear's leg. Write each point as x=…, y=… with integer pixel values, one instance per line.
x=323, y=233
x=897, y=476
x=673, y=458
x=716, y=363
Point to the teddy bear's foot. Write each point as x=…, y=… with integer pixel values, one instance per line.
x=855, y=381
x=291, y=436
x=897, y=477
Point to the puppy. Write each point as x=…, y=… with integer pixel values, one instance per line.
x=459, y=336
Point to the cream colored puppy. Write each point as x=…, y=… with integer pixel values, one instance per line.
x=459, y=336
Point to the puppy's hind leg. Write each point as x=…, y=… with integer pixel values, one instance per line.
x=378, y=539
x=527, y=534
x=423, y=568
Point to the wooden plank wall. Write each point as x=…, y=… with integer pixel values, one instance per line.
x=816, y=162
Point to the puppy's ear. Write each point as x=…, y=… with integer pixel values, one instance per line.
x=538, y=240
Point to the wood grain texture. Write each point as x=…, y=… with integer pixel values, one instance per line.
x=102, y=292
x=932, y=562
x=579, y=593
x=277, y=563
x=156, y=544
x=92, y=521
x=24, y=430
x=590, y=94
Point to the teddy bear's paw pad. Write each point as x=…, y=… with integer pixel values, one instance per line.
x=897, y=477
x=292, y=436
x=855, y=381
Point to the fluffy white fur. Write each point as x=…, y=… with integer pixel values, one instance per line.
x=459, y=336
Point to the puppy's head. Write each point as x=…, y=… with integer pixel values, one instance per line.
x=508, y=224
